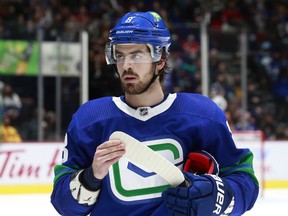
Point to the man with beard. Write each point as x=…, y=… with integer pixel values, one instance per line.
x=96, y=178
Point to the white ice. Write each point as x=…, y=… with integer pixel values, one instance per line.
x=273, y=202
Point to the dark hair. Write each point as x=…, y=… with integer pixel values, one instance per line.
x=167, y=67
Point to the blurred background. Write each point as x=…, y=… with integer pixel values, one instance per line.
x=52, y=60
x=251, y=87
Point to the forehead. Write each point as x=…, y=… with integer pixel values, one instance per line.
x=127, y=48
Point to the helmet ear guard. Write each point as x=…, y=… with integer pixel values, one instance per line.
x=140, y=28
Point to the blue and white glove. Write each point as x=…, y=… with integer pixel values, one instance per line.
x=205, y=195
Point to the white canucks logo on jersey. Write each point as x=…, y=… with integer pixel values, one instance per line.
x=132, y=182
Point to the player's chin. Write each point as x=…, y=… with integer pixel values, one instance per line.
x=131, y=88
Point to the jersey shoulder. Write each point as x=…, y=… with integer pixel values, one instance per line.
x=197, y=104
x=95, y=110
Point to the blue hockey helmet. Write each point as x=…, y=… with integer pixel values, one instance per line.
x=141, y=28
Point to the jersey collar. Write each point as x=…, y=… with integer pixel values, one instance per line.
x=145, y=113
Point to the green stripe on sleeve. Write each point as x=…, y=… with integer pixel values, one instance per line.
x=244, y=165
x=61, y=170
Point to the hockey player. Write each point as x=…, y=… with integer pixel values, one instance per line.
x=95, y=179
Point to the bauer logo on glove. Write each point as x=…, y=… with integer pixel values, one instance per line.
x=204, y=193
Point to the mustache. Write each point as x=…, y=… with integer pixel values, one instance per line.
x=129, y=72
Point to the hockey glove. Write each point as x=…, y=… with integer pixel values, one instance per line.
x=201, y=162
x=205, y=195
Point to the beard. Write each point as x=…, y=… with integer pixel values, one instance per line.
x=136, y=88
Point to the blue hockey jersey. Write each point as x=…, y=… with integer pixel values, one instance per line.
x=182, y=123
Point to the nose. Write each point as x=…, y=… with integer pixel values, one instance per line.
x=126, y=64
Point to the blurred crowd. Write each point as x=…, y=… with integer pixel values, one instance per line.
x=264, y=21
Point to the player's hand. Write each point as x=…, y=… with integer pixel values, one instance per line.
x=107, y=154
x=206, y=195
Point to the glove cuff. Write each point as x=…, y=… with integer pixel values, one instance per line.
x=80, y=193
x=230, y=208
x=224, y=202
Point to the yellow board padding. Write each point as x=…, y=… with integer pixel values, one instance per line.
x=276, y=184
x=47, y=188
x=25, y=189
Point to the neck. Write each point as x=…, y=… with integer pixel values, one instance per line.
x=154, y=95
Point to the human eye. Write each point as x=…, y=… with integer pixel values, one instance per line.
x=119, y=57
x=138, y=56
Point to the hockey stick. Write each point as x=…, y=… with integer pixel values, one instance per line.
x=138, y=153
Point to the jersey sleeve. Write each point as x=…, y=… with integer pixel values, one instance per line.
x=236, y=165
x=74, y=156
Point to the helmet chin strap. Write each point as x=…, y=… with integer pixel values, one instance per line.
x=155, y=75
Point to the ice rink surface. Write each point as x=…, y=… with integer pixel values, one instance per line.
x=273, y=202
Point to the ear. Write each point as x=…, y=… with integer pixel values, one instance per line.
x=160, y=64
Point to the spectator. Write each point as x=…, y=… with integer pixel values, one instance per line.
x=1, y=84
x=11, y=102
x=1, y=103
x=217, y=95
x=49, y=126
x=9, y=133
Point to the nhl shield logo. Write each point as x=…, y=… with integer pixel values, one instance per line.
x=143, y=111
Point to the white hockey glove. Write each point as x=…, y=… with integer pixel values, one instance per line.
x=81, y=191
